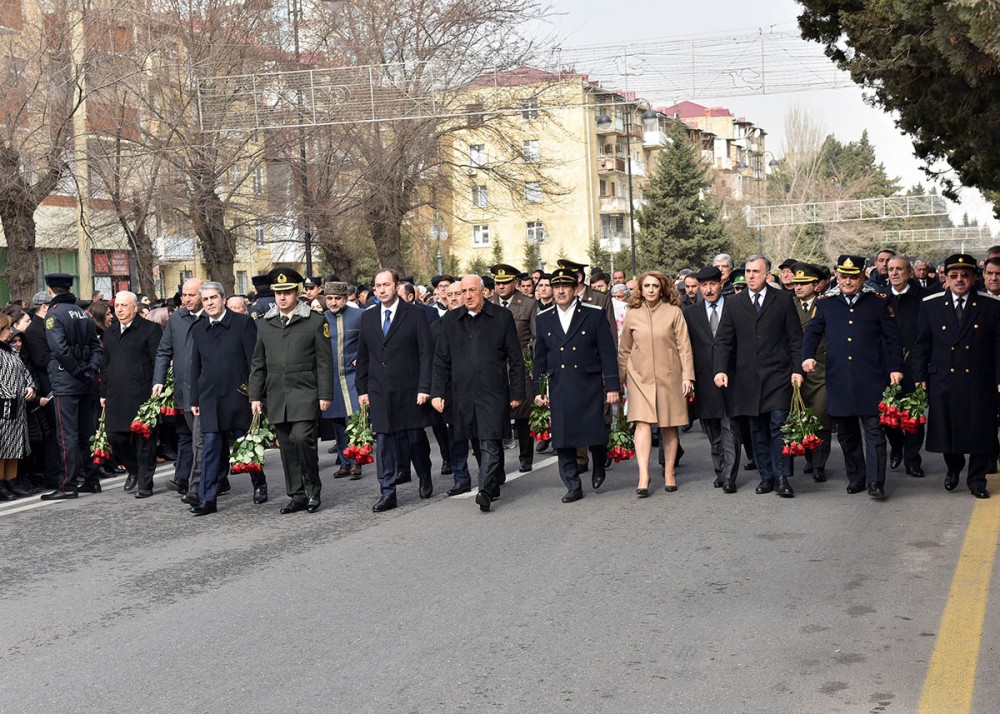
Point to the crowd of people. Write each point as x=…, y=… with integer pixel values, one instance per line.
x=475, y=358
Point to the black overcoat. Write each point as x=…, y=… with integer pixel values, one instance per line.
x=767, y=347
x=961, y=365
x=480, y=359
x=582, y=366
x=394, y=368
x=907, y=307
x=127, y=370
x=710, y=402
x=36, y=354
x=221, y=355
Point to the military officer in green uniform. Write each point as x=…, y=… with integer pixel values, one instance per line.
x=805, y=282
x=292, y=371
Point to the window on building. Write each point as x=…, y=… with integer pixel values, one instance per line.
x=259, y=233
x=258, y=180
x=530, y=151
x=612, y=227
x=480, y=236
x=480, y=198
x=529, y=109
x=185, y=275
x=536, y=232
x=242, y=284
x=477, y=155
x=533, y=191
x=236, y=176
x=474, y=115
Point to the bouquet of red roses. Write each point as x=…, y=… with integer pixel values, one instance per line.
x=360, y=438
x=167, y=407
x=800, y=428
x=100, y=447
x=897, y=411
x=540, y=421
x=247, y=453
x=621, y=445
x=145, y=419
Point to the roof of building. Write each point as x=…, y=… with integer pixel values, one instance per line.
x=692, y=110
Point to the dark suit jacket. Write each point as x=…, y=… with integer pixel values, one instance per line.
x=710, y=402
x=127, y=370
x=907, y=307
x=480, y=360
x=767, y=347
x=523, y=309
x=36, y=354
x=393, y=369
x=220, y=365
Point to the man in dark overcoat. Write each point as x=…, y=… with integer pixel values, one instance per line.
x=575, y=348
x=343, y=325
x=292, y=371
x=395, y=359
x=36, y=354
x=523, y=310
x=957, y=355
x=863, y=355
x=130, y=346
x=712, y=404
x=762, y=329
x=905, y=297
x=224, y=343
x=806, y=279
x=478, y=358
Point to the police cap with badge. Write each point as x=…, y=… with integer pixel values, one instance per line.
x=576, y=268
x=563, y=276
x=803, y=273
x=960, y=261
x=850, y=265
x=503, y=273
x=285, y=279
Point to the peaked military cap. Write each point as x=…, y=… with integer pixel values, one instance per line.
x=503, y=273
x=285, y=279
x=850, y=264
x=312, y=282
x=570, y=265
x=488, y=281
x=563, y=276
x=958, y=260
x=738, y=276
x=806, y=273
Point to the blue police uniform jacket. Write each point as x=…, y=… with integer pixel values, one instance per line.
x=862, y=347
x=343, y=331
x=76, y=348
x=582, y=366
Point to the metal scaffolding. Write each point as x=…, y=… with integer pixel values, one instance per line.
x=865, y=209
x=965, y=238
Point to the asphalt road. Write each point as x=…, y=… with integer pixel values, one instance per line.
x=692, y=601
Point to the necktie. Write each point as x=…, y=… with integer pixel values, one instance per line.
x=805, y=307
x=756, y=302
x=285, y=319
x=385, y=325
x=850, y=301
x=504, y=303
x=713, y=319
x=960, y=309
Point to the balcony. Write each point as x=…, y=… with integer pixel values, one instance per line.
x=611, y=163
x=174, y=248
x=614, y=204
x=617, y=126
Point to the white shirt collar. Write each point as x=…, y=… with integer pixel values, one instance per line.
x=900, y=292
x=762, y=293
x=220, y=318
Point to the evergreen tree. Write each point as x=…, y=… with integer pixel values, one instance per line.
x=679, y=225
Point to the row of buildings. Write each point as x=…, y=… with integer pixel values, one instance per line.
x=585, y=152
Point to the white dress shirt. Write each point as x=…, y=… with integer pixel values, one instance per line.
x=566, y=316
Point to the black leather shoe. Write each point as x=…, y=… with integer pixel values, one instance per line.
x=386, y=503
x=597, y=478
x=59, y=495
x=951, y=481
x=717, y=483
x=292, y=506
x=729, y=486
x=446, y=470
x=143, y=494
x=876, y=491
x=90, y=487
x=642, y=492
x=313, y=505
x=403, y=479
x=426, y=488
x=764, y=487
x=685, y=429
x=526, y=466
x=174, y=486
x=130, y=483
x=750, y=466
x=980, y=492
x=783, y=488
x=543, y=446
x=205, y=508
x=853, y=488
x=572, y=496
x=224, y=485
x=819, y=475
x=456, y=490
x=19, y=487
x=260, y=495
x=484, y=501
x=582, y=468
x=915, y=471
x=190, y=499
x=895, y=459
x=669, y=489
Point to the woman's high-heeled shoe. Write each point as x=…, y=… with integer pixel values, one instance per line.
x=670, y=489
x=642, y=492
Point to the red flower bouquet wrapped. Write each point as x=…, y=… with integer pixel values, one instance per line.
x=167, y=407
x=903, y=412
x=621, y=445
x=540, y=421
x=800, y=428
x=247, y=453
x=360, y=438
x=145, y=419
x=100, y=447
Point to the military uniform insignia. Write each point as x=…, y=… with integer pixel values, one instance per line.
x=282, y=278
x=326, y=330
x=49, y=323
x=254, y=315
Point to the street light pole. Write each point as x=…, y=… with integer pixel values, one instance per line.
x=303, y=172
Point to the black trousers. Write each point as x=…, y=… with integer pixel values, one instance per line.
x=909, y=444
x=979, y=465
x=525, y=443
x=864, y=464
x=395, y=451
x=137, y=454
x=76, y=422
x=299, y=459
x=569, y=469
x=443, y=440
x=491, y=469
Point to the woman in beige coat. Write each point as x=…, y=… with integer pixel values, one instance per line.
x=654, y=361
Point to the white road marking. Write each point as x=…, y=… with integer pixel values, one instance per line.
x=514, y=475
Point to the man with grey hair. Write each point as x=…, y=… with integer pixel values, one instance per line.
x=724, y=262
x=238, y=304
x=175, y=350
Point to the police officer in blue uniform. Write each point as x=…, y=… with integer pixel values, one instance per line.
x=574, y=347
x=73, y=369
x=863, y=355
x=957, y=355
x=265, y=296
